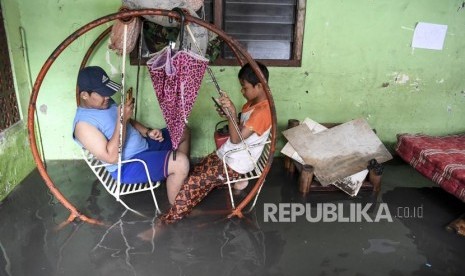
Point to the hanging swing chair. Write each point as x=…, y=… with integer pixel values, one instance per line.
x=242, y=57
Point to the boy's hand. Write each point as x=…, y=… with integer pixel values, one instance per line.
x=226, y=103
x=220, y=112
x=155, y=134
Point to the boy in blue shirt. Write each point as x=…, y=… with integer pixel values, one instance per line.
x=96, y=127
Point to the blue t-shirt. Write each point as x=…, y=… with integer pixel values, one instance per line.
x=105, y=120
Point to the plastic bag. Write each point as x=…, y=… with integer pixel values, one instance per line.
x=200, y=34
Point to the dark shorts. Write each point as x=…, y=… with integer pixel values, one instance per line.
x=156, y=157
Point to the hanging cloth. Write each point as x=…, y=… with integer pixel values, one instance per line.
x=202, y=35
x=176, y=78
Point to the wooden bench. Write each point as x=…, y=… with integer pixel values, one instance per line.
x=307, y=181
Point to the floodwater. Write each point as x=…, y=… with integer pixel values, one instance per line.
x=264, y=242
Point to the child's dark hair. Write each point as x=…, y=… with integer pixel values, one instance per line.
x=247, y=73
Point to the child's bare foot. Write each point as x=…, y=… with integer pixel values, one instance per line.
x=151, y=233
x=241, y=185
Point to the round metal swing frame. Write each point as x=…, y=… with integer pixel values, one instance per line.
x=241, y=55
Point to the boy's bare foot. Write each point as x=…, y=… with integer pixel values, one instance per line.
x=241, y=185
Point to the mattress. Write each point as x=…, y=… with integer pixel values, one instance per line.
x=439, y=158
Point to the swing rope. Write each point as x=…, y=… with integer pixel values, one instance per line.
x=139, y=57
x=121, y=109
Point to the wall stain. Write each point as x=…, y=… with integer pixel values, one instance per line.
x=416, y=86
x=43, y=109
x=461, y=6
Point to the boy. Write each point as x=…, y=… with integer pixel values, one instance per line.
x=254, y=126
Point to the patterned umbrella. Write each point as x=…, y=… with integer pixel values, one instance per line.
x=176, y=77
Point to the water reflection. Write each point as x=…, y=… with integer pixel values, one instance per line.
x=195, y=246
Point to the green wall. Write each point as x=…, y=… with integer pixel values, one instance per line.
x=16, y=158
x=15, y=155
x=357, y=62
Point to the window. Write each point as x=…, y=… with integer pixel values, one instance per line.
x=9, y=111
x=270, y=30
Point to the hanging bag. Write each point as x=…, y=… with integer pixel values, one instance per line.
x=117, y=34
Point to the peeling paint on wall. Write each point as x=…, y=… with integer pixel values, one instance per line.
x=401, y=79
x=416, y=85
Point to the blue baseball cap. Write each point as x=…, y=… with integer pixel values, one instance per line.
x=95, y=79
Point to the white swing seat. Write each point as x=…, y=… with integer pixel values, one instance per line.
x=120, y=189
x=255, y=173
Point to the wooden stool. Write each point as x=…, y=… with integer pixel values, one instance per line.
x=458, y=225
x=288, y=162
x=308, y=183
x=305, y=179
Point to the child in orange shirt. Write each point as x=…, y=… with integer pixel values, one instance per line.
x=254, y=125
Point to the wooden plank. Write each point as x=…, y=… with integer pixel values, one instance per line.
x=299, y=29
x=338, y=152
x=314, y=127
